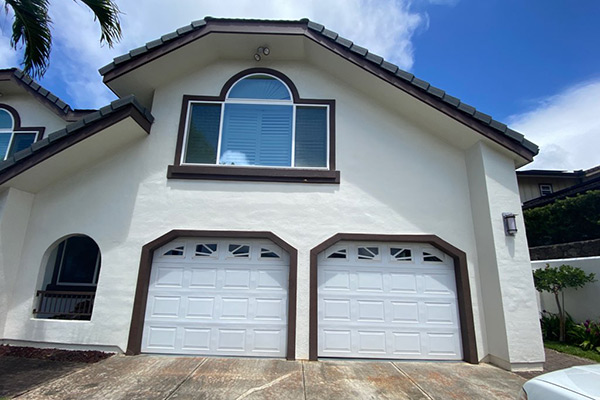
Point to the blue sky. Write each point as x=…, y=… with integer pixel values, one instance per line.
x=504, y=56
x=533, y=64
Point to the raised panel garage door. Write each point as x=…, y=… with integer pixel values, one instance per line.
x=387, y=301
x=217, y=297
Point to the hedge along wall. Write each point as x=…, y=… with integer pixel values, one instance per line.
x=582, y=303
x=568, y=220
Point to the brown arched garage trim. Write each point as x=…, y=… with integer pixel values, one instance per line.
x=134, y=343
x=465, y=308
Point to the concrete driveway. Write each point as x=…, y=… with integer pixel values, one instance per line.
x=165, y=377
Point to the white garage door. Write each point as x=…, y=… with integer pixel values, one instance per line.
x=395, y=301
x=218, y=297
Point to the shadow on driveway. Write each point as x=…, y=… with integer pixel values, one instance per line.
x=18, y=375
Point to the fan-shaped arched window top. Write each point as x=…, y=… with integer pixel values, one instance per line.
x=6, y=120
x=259, y=87
x=13, y=138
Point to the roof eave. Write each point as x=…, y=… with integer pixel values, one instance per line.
x=73, y=134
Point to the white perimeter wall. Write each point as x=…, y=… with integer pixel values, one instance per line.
x=397, y=178
x=581, y=303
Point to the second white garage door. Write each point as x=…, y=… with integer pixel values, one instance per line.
x=388, y=301
x=218, y=297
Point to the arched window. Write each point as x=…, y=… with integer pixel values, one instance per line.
x=257, y=122
x=70, y=280
x=12, y=138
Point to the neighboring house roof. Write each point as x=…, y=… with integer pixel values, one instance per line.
x=542, y=173
x=46, y=97
x=420, y=89
x=590, y=184
x=74, y=133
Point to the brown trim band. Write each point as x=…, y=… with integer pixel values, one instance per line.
x=134, y=344
x=177, y=171
x=254, y=174
x=465, y=308
x=72, y=139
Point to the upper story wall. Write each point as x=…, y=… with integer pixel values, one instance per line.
x=32, y=113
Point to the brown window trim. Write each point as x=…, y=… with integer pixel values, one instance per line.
x=256, y=174
x=465, y=307
x=38, y=130
x=134, y=344
x=260, y=174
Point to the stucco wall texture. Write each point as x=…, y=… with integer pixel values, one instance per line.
x=396, y=178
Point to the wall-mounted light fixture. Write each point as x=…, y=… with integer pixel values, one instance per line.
x=510, y=223
x=261, y=51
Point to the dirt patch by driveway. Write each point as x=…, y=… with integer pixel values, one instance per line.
x=86, y=356
x=18, y=375
x=25, y=368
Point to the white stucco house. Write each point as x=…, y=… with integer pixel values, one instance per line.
x=268, y=189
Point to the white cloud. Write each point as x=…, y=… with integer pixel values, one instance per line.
x=385, y=27
x=8, y=56
x=566, y=127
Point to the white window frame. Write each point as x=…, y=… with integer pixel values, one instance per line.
x=261, y=102
x=546, y=189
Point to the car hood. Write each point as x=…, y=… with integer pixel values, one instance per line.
x=583, y=379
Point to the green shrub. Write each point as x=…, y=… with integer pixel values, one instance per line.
x=551, y=326
x=555, y=280
x=587, y=335
x=568, y=220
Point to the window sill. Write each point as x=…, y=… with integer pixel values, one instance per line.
x=255, y=174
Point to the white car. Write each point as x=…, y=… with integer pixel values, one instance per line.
x=581, y=382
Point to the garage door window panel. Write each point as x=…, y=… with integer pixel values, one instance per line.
x=207, y=250
x=368, y=253
x=401, y=254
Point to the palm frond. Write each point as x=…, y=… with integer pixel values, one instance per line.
x=107, y=14
x=31, y=28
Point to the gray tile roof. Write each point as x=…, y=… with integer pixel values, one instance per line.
x=75, y=127
x=386, y=66
x=62, y=108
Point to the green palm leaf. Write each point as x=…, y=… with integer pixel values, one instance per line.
x=31, y=27
x=107, y=14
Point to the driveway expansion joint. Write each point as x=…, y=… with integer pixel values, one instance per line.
x=303, y=379
x=411, y=380
x=201, y=363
